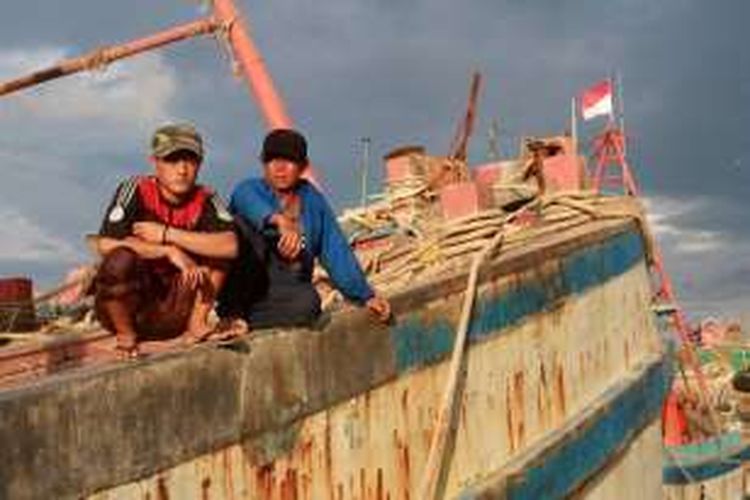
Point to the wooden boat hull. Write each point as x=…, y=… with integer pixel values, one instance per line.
x=564, y=380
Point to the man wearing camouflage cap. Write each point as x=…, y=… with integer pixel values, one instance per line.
x=166, y=244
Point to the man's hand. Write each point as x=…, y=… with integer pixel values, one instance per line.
x=380, y=307
x=290, y=241
x=290, y=245
x=191, y=275
x=153, y=232
x=285, y=223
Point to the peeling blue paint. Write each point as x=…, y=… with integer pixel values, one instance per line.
x=416, y=342
x=581, y=453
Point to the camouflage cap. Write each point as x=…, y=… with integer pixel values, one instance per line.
x=176, y=137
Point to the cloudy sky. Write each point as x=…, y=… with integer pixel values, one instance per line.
x=396, y=72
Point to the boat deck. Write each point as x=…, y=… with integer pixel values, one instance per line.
x=39, y=355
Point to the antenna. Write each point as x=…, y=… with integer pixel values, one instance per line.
x=493, y=141
x=365, y=169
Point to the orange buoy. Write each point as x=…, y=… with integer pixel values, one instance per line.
x=674, y=422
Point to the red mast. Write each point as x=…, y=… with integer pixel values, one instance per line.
x=252, y=65
x=609, y=154
x=609, y=151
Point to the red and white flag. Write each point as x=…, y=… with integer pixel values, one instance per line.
x=597, y=100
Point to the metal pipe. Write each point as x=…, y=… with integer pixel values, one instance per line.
x=573, y=127
x=106, y=55
x=253, y=68
x=365, y=169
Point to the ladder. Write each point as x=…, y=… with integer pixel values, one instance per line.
x=613, y=174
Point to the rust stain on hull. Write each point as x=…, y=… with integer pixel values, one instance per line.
x=373, y=446
x=162, y=492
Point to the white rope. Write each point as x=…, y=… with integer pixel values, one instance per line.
x=424, y=256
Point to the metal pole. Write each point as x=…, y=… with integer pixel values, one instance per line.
x=253, y=67
x=365, y=169
x=493, y=146
x=611, y=118
x=621, y=109
x=573, y=126
x=106, y=55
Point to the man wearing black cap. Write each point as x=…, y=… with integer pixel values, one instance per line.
x=166, y=244
x=288, y=224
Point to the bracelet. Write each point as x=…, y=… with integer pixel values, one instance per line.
x=164, y=235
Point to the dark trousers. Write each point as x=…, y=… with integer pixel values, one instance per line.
x=265, y=289
x=159, y=307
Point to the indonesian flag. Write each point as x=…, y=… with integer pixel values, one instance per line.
x=597, y=100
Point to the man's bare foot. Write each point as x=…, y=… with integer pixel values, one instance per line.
x=127, y=352
x=229, y=328
x=126, y=345
x=196, y=335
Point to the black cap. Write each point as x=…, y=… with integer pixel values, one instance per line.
x=287, y=144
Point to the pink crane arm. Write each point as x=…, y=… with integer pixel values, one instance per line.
x=253, y=68
x=106, y=55
x=226, y=18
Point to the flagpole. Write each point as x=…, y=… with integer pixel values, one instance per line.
x=573, y=126
x=621, y=108
x=612, y=119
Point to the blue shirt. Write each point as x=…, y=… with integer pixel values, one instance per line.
x=256, y=202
